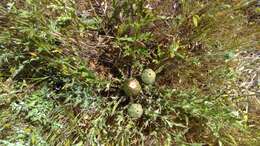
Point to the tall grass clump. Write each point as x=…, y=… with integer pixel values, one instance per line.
x=63, y=64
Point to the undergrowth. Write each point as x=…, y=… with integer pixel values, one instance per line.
x=62, y=64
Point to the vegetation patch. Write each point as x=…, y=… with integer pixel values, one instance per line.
x=125, y=72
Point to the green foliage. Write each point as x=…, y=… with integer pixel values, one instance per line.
x=51, y=92
x=35, y=107
x=42, y=77
x=35, y=43
x=24, y=136
x=165, y=118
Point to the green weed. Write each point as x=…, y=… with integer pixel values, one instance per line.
x=54, y=92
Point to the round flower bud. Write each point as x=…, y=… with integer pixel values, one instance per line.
x=135, y=110
x=132, y=87
x=148, y=76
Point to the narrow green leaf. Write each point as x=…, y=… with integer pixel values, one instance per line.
x=196, y=20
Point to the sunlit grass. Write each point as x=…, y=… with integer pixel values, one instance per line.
x=62, y=69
